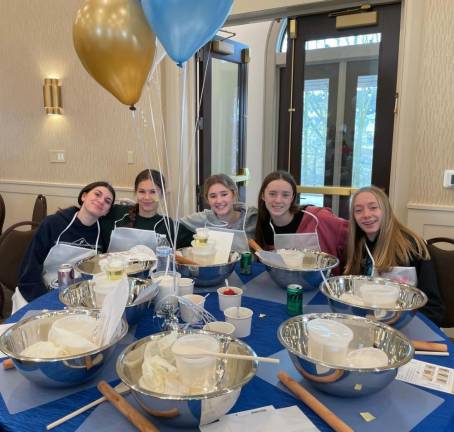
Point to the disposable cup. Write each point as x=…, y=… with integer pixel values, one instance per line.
x=188, y=312
x=220, y=327
x=229, y=300
x=185, y=286
x=377, y=295
x=328, y=340
x=198, y=373
x=241, y=318
x=116, y=266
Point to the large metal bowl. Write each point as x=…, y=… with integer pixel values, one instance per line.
x=309, y=277
x=81, y=296
x=341, y=380
x=192, y=411
x=210, y=275
x=410, y=300
x=64, y=371
x=88, y=267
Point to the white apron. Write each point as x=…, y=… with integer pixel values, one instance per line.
x=125, y=238
x=240, y=240
x=299, y=241
x=398, y=274
x=60, y=253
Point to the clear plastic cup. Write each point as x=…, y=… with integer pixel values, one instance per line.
x=198, y=373
x=328, y=340
x=185, y=286
x=188, y=313
x=241, y=318
x=368, y=357
x=167, y=289
x=378, y=295
x=115, y=267
x=229, y=300
x=220, y=327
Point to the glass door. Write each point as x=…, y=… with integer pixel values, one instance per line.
x=337, y=112
x=222, y=91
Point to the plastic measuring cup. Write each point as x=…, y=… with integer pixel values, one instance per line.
x=196, y=372
x=328, y=340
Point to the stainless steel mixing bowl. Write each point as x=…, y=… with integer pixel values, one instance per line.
x=65, y=371
x=81, y=296
x=191, y=411
x=207, y=275
x=340, y=379
x=88, y=267
x=410, y=300
x=309, y=276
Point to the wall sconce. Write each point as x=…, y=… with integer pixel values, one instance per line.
x=52, y=96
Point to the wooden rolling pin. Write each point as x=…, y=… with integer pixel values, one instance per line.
x=8, y=364
x=122, y=405
x=254, y=245
x=321, y=410
x=180, y=259
x=429, y=346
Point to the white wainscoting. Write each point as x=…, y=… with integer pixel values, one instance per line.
x=430, y=221
x=19, y=197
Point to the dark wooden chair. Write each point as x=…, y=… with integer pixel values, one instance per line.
x=2, y=213
x=443, y=260
x=13, y=245
x=39, y=209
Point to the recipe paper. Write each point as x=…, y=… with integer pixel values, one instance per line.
x=427, y=375
x=265, y=419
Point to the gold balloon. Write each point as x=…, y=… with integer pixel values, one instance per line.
x=115, y=45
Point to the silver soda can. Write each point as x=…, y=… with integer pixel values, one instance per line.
x=65, y=275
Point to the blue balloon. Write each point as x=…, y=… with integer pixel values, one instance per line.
x=184, y=26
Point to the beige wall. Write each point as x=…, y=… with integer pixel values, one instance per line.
x=434, y=135
x=96, y=131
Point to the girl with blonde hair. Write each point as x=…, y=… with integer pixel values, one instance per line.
x=379, y=245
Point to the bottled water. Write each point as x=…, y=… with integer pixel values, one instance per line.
x=163, y=251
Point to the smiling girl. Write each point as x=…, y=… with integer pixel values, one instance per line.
x=283, y=224
x=379, y=245
x=65, y=237
x=142, y=220
x=225, y=213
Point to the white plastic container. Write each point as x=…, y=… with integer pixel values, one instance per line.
x=203, y=255
x=220, y=327
x=185, y=286
x=292, y=258
x=241, y=318
x=229, y=300
x=189, y=314
x=102, y=286
x=376, y=295
x=196, y=372
x=368, y=357
x=328, y=340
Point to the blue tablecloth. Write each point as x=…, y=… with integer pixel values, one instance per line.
x=255, y=394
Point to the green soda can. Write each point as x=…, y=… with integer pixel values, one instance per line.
x=246, y=263
x=294, y=299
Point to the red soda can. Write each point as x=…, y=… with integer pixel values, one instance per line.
x=65, y=275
